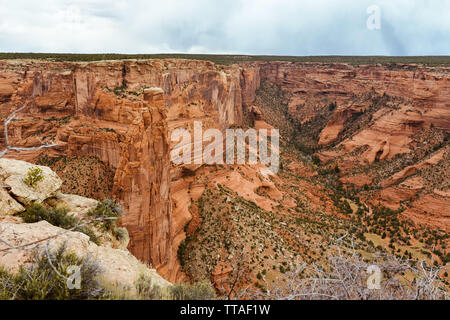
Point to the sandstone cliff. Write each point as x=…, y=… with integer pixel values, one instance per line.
x=123, y=112
x=378, y=124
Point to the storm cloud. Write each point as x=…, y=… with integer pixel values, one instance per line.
x=278, y=27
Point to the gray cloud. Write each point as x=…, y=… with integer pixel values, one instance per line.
x=392, y=41
x=282, y=27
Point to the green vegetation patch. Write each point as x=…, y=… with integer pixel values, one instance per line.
x=232, y=59
x=34, y=175
x=47, y=277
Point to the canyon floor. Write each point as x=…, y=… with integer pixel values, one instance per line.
x=364, y=156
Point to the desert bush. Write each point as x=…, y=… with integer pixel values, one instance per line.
x=195, y=291
x=7, y=284
x=34, y=175
x=146, y=289
x=446, y=259
x=58, y=217
x=315, y=159
x=107, y=208
x=332, y=106
x=90, y=233
x=345, y=277
x=46, y=278
x=182, y=251
x=122, y=233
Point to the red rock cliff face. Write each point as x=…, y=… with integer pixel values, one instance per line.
x=309, y=83
x=123, y=112
x=387, y=127
x=419, y=98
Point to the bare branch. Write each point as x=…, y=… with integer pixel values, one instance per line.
x=9, y=147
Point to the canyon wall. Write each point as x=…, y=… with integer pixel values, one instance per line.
x=425, y=88
x=375, y=122
x=123, y=112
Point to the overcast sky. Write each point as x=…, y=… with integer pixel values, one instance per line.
x=278, y=27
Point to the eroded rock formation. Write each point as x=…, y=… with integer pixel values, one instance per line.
x=123, y=112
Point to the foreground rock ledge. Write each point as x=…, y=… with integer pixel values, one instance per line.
x=117, y=265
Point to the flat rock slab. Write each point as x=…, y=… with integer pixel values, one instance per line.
x=13, y=173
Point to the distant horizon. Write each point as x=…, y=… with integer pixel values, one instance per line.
x=221, y=54
x=228, y=59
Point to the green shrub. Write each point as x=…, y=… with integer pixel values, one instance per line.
x=146, y=290
x=121, y=234
x=41, y=282
x=107, y=208
x=181, y=252
x=90, y=233
x=58, y=217
x=332, y=106
x=446, y=259
x=315, y=159
x=195, y=291
x=34, y=175
x=7, y=284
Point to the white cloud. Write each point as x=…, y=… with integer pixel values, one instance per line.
x=414, y=27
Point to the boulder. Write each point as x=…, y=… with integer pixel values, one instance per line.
x=13, y=173
x=77, y=205
x=8, y=206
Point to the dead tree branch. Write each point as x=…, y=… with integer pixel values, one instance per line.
x=9, y=147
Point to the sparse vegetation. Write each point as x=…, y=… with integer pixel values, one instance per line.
x=146, y=289
x=46, y=278
x=109, y=211
x=86, y=176
x=195, y=291
x=231, y=59
x=34, y=175
x=58, y=217
x=40, y=281
x=346, y=277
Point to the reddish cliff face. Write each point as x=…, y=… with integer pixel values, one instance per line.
x=380, y=125
x=122, y=113
x=307, y=84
